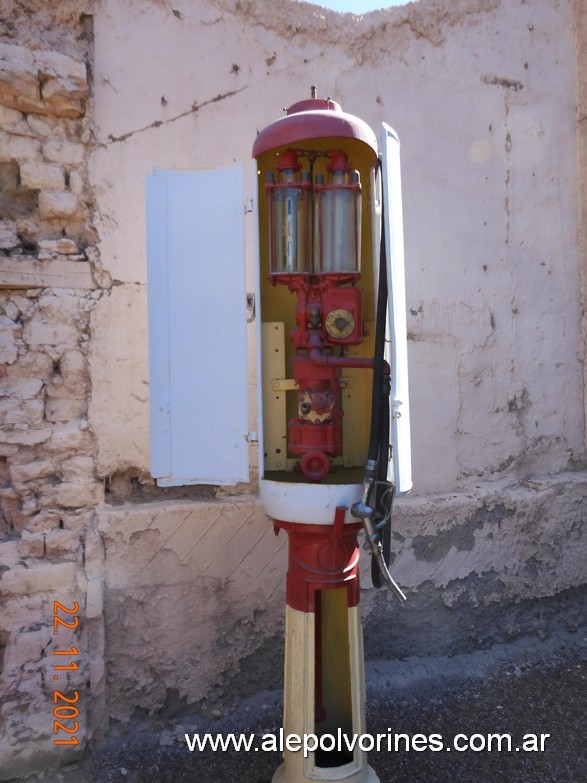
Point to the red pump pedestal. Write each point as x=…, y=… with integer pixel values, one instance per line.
x=316, y=169
x=324, y=679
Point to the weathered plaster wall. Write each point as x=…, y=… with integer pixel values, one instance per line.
x=182, y=590
x=189, y=583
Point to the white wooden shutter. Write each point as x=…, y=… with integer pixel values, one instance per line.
x=197, y=326
x=400, y=403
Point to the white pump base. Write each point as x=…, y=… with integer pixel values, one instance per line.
x=342, y=685
x=308, y=504
x=367, y=776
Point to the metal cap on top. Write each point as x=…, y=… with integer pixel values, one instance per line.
x=311, y=119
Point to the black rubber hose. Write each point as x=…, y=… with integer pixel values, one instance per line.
x=383, y=490
x=379, y=435
x=377, y=397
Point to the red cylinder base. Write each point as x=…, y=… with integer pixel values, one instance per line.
x=321, y=557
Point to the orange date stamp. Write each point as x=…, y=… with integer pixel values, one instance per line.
x=65, y=711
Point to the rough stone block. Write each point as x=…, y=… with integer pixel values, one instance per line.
x=42, y=82
x=77, y=469
x=30, y=686
x=71, y=437
x=64, y=97
x=62, y=543
x=11, y=311
x=31, y=471
x=44, y=127
x=42, y=331
x=30, y=504
x=38, y=175
x=7, y=450
x=74, y=372
x=58, y=204
x=20, y=388
x=76, y=183
x=63, y=246
x=95, y=598
x=66, y=152
x=94, y=551
x=9, y=177
x=33, y=364
x=21, y=413
x=51, y=63
x=31, y=544
x=23, y=303
x=44, y=520
x=97, y=674
x=10, y=116
x=9, y=334
x=70, y=495
x=59, y=410
x=16, y=56
x=54, y=578
x=61, y=305
x=19, y=83
x=18, y=148
x=26, y=647
x=26, y=437
x=52, y=272
x=8, y=557
x=8, y=238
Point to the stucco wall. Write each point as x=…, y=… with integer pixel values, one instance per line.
x=489, y=545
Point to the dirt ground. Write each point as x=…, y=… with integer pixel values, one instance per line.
x=534, y=688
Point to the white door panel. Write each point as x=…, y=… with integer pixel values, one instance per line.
x=197, y=326
x=400, y=403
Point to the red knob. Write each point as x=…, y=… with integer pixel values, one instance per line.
x=315, y=465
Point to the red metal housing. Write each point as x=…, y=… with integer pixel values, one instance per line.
x=321, y=557
x=313, y=119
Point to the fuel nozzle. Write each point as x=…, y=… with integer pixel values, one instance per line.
x=370, y=517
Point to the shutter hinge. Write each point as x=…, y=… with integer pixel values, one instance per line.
x=250, y=308
x=248, y=204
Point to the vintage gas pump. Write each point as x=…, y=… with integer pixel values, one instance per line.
x=334, y=428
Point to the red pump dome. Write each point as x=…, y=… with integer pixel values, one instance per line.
x=314, y=118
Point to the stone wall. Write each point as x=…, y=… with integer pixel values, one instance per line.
x=181, y=590
x=47, y=293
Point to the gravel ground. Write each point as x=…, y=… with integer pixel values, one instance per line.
x=536, y=689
